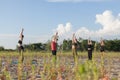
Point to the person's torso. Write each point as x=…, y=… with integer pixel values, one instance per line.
x=102, y=47
x=53, y=45
x=74, y=45
x=20, y=41
x=89, y=47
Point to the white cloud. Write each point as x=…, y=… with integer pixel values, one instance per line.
x=110, y=28
x=119, y=14
x=64, y=31
x=110, y=23
x=76, y=0
x=61, y=29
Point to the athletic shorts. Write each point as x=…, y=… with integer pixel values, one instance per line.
x=53, y=52
x=101, y=49
x=20, y=48
x=20, y=42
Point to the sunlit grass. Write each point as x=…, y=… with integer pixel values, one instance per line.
x=64, y=68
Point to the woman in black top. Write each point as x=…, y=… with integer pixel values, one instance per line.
x=20, y=42
x=20, y=45
x=89, y=49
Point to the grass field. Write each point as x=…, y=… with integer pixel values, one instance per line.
x=42, y=66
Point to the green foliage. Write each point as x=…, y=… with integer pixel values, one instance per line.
x=84, y=45
x=48, y=45
x=35, y=47
x=1, y=48
x=67, y=44
x=110, y=45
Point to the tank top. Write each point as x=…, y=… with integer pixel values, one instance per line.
x=89, y=47
x=53, y=45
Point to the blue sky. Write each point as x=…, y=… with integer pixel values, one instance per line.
x=40, y=18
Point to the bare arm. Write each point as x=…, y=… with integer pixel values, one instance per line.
x=88, y=41
x=21, y=34
x=73, y=38
x=55, y=37
x=102, y=43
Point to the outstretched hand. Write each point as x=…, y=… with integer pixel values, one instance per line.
x=73, y=34
x=22, y=29
x=56, y=33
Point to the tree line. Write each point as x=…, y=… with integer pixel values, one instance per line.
x=110, y=45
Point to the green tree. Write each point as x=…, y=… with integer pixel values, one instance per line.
x=2, y=48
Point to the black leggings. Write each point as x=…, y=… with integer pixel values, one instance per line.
x=20, y=48
x=89, y=54
x=53, y=52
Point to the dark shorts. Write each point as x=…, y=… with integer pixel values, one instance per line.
x=21, y=48
x=102, y=49
x=53, y=52
x=89, y=51
x=75, y=44
x=20, y=42
x=90, y=54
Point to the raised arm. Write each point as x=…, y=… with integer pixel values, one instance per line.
x=89, y=41
x=21, y=34
x=74, y=40
x=73, y=37
x=55, y=37
x=102, y=42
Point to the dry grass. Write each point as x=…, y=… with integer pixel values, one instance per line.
x=42, y=66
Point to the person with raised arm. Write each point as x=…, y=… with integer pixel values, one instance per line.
x=102, y=46
x=54, y=45
x=89, y=49
x=20, y=44
x=74, y=47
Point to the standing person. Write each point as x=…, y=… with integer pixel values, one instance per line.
x=74, y=47
x=102, y=46
x=54, y=45
x=20, y=44
x=89, y=50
